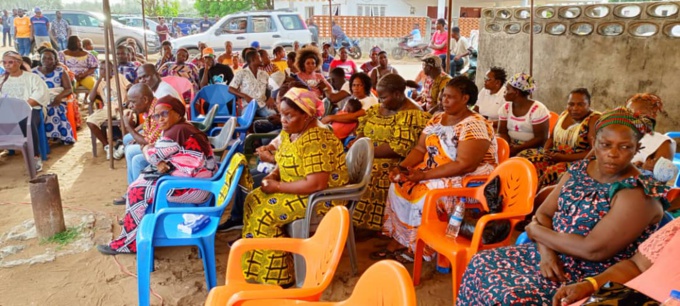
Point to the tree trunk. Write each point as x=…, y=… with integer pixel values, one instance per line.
x=46, y=203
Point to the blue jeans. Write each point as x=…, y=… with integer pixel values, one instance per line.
x=265, y=112
x=24, y=45
x=136, y=162
x=127, y=139
x=6, y=37
x=454, y=65
x=61, y=44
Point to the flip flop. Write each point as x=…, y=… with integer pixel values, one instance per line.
x=383, y=254
x=403, y=256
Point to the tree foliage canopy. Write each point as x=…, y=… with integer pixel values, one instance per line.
x=225, y=7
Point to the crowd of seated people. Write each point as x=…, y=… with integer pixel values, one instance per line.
x=604, y=193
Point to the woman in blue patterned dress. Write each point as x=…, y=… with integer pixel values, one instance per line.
x=58, y=81
x=598, y=214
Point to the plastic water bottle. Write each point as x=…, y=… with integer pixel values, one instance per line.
x=456, y=219
x=673, y=300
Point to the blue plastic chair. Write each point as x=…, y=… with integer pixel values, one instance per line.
x=215, y=94
x=243, y=123
x=218, y=177
x=159, y=229
x=523, y=238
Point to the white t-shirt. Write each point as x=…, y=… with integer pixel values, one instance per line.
x=490, y=103
x=26, y=86
x=522, y=128
x=460, y=47
x=649, y=144
x=366, y=102
x=164, y=89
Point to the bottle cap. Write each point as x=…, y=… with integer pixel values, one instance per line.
x=675, y=294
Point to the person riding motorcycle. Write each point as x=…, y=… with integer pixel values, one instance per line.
x=414, y=38
x=339, y=36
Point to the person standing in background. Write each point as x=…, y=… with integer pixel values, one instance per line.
x=40, y=28
x=205, y=24
x=22, y=32
x=314, y=29
x=60, y=31
x=6, y=28
x=162, y=29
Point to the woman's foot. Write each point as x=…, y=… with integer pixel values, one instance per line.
x=107, y=250
x=120, y=200
x=403, y=256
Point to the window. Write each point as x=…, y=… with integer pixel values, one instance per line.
x=309, y=12
x=371, y=10
x=235, y=25
x=72, y=19
x=263, y=24
x=291, y=22
x=89, y=21
x=336, y=9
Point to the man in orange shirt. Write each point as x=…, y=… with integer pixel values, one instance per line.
x=22, y=33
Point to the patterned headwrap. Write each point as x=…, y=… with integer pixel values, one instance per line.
x=303, y=98
x=654, y=102
x=523, y=82
x=174, y=103
x=626, y=117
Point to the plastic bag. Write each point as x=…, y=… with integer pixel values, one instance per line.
x=615, y=294
x=496, y=230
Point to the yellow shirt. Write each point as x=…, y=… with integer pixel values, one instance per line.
x=283, y=65
x=23, y=26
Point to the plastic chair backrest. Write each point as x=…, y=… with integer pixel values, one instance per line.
x=323, y=251
x=12, y=111
x=360, y=161
x=518, y=181
x=553, y=121
x=209, y=119
x=216, y=94
x=221, y=141
x=181, y=85
x=246, y=119
x=503, y=149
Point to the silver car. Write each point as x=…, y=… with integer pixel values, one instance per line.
x=91, y=25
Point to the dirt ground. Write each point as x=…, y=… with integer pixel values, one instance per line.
x=76, y=274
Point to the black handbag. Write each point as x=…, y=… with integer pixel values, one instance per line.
x=151, y=172
x=615, y=294
x=496, y=230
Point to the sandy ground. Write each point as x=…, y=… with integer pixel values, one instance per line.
x=79, y=275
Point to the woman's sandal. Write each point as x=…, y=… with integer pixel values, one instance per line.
x=403, y=256
x=384, y=254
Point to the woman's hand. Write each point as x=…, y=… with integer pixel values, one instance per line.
x=552, y=267
x=514, y=150
x=572, y=293
x=326, y=120
x=266, y=156
x=270, y=185
x=396, y=175
x=163, y=167
x=415, y=175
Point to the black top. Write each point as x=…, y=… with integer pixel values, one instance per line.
x=218, y=74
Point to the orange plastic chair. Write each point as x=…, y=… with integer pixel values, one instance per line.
x=385, y=283
x=322, y=254
x=673, y=194
x=182, y=86
x=553, y=121
x=518, y=185
x=503, y=149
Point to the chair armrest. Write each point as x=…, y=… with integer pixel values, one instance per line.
x=161, y=201
x=474, y=178
x=277, y=294
x=430, y=205
x=241, y=246
x=476, y=240
x=673, y=134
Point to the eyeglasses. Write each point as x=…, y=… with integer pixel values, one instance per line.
x=8, y=62
x=163, y=114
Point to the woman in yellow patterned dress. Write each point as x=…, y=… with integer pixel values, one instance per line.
x=310, y=162
x=570, y=141
x=393, y=126
x=455, y=143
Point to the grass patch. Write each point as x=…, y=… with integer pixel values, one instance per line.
x=63, y=238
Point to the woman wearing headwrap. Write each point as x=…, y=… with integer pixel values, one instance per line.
x=597, y=215
x=309, y=159
x=18, y=82
x=523, y=123
x=653, y=146
x=182, y=150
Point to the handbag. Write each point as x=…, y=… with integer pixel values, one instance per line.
x=151, y=172
x=496, y=230
x=615, y=294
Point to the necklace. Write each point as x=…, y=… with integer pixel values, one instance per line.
x=151, y=133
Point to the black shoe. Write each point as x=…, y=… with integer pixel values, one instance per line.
x=120, y=201
x=230, y=225
x=121, y=222
x=107, y=250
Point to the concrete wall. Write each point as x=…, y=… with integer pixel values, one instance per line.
x=612, y=67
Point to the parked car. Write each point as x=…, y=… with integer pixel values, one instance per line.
x=270, y=28
x=137, y=22
x=91, y=25
x=187, y=25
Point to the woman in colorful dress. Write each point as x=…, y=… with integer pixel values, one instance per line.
x=182, y=150
x=658, y=255
x=597, y=215
x=82, y=63
x=309, y=159
x=58, y=81
x=455, y=143
x=570, y=141
x=181, y=68
x=394, y=127
x=308, y=61
x=654, y=146
x=523, y=123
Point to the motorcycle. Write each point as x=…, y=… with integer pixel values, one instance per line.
x=403, y=49
x=353, y=49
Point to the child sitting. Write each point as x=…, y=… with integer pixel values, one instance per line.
x=344, y=129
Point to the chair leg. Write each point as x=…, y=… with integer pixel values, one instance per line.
x=352, y=249
x=207, y=247
x=418, y=261
x=43, y=145
x=144, y=268
x=30, y=163
x=458, y=266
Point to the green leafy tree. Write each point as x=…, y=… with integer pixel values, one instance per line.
x=224, y=7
